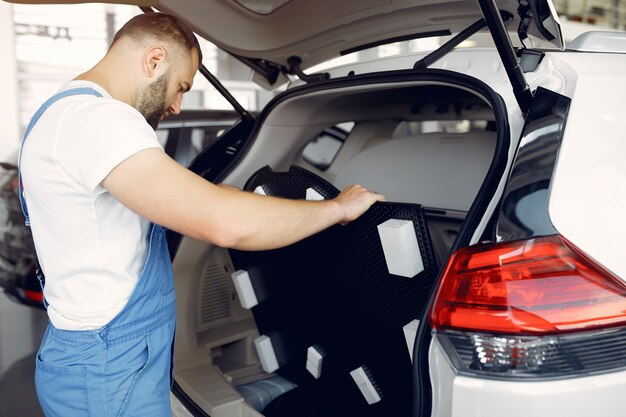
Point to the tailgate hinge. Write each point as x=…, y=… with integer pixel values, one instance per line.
x=295, y=63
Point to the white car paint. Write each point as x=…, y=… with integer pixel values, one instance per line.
x=588, y=195
x=461, y=396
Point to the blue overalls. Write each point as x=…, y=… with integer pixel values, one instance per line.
x=125, y=367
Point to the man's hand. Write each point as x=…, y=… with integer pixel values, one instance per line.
x=356, y=200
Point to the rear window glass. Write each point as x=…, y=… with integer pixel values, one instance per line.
x=410, y=128
x=323, y=148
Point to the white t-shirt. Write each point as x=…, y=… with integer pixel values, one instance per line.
x=91, y=247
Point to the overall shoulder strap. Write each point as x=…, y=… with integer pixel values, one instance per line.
x=33, y=121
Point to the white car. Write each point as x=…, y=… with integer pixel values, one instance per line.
x=491, y=283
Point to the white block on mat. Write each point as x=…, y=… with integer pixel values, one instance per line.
x=244, y=289
x=314, y=361
x=313, y=195
x=265, y=350
x=259, y=190
x=314, y=369
x=313, y=355
x=410, y=331
x=365, y=385
x=402, y=252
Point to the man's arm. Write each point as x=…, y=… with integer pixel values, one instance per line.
x=159, y=189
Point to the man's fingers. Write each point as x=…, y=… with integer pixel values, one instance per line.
x=356, y=200
x=379, y=196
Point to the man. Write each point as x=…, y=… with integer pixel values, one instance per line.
x=97, y=189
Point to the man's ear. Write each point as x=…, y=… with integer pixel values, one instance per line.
x=154, y=61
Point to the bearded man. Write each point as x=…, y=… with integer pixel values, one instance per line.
x=98, y=191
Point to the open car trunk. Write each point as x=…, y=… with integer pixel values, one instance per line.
x=432, y=142
x=325, y=327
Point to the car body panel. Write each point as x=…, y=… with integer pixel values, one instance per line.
x=589, y=164
x=462, y=396
x=588, y=196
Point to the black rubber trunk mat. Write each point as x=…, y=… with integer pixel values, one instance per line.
x=333, y=290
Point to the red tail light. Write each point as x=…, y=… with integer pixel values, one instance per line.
x=539, y=286
x=537, y=308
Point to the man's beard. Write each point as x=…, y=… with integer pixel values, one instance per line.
x=152, y=102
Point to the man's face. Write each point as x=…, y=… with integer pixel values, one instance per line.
x=163, y=96
x=152, y=103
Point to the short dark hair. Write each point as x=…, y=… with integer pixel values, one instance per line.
x=161, y=26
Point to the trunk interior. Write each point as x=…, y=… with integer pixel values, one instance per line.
x=420, y=142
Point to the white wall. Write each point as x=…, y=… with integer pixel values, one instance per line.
x=9, y=113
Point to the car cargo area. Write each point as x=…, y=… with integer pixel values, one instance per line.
x=339, y=322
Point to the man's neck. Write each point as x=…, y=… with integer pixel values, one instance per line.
x=118, y=87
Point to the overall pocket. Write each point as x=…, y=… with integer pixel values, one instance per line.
x=61, y=386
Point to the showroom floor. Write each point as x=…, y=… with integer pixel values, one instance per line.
x=21, y=329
